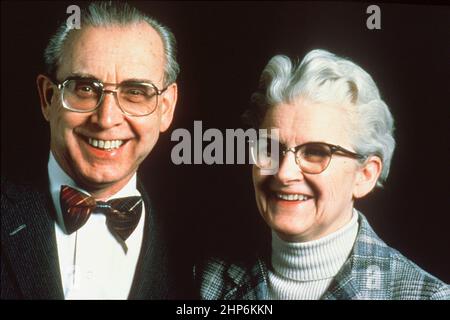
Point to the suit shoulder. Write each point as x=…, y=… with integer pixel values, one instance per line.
x=412, y=282
x=382, y=272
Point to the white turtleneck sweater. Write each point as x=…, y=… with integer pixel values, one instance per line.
x=304, y=270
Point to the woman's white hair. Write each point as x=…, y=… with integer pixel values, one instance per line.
x=323, y=77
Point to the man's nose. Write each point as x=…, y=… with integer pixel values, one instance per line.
x=108, y=113
x=288, y=170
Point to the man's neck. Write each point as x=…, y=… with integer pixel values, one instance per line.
x=105, y=191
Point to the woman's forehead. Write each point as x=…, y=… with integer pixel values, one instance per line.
x=303, y=122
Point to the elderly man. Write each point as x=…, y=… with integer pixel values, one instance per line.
x=91, y=232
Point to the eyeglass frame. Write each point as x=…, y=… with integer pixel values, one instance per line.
x=333, y=149
x=61, y=87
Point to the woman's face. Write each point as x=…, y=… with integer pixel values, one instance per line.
x=330, y=194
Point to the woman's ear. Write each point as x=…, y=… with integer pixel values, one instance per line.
x=46, y=90
x=367, y=176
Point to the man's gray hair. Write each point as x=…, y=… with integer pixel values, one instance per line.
x=323, y=77
x=109, y=13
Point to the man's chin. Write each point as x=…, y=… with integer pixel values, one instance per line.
x=102, y=181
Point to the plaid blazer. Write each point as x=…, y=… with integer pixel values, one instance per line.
x=373, y=271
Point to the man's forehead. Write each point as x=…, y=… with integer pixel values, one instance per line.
x=141, y=30
x=114, y=39
x=134, y=48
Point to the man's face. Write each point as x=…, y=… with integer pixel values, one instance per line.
x=112, y=55
x=330, y=194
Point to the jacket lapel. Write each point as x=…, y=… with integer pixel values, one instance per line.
x=30, y=243
x=367, y=273
x=247, y=282
x=343, y=286
x=151, y=279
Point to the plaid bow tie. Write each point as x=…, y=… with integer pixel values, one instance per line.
x=122, y=214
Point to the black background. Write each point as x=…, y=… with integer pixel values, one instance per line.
x=222, y=48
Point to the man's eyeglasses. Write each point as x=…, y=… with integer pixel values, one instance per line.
x=137, y=99
x=311, y=157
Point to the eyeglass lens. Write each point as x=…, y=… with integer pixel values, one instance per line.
x=311, y=157
x=134, y=98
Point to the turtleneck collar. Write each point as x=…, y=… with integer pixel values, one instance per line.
x=314, y=260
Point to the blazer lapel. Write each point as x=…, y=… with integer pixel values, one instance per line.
x=247, y=281
x=30, y=244
x=343, y=286
x=151, y=279
x=367, y=272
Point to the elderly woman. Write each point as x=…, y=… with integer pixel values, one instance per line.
x=335, y=144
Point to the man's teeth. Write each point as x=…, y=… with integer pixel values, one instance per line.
x=105, y=144
x=292, y=197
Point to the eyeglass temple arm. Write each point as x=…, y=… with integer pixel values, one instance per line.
x=347, y=152
x=160, y=92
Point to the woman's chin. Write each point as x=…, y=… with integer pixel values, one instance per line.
x=291, y=231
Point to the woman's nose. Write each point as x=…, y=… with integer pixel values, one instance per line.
x=288, y=170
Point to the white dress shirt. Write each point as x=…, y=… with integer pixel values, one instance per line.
x=93, y=264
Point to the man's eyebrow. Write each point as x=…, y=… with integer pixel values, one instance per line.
x=81, y=75
x=90, y=76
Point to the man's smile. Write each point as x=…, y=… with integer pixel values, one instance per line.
x=105, y=144
x=106, y=149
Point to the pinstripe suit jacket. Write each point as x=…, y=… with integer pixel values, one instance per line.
x=29, y=256
x=373, y=271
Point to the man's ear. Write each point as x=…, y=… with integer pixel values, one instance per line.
x=46, y=90
x=367, y=176
x=169, y=100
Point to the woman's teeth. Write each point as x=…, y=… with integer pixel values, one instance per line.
x=292, y=197
x=105, y=144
